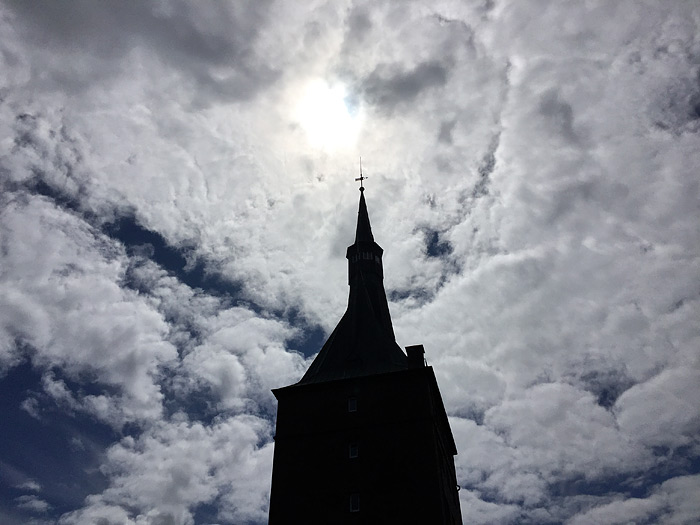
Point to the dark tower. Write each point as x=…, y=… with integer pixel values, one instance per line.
x=363, y=437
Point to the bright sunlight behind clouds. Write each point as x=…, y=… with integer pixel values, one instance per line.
x=327, y=117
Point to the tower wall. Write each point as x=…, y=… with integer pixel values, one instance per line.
x=403, y=471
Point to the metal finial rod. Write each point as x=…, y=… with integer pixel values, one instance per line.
x=361, y=178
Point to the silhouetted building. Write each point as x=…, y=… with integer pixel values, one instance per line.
x=363, y=437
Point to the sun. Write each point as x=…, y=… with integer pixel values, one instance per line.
x=327, y=117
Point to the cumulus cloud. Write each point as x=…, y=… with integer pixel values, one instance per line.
x=668, y=503
x=63, y=299
x=553, y=436
x=33, y=504
x=661, y=412
x=171, y=469
x=30, y=485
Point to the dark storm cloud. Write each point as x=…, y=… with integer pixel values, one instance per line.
x=214, y=47
x=390, y=85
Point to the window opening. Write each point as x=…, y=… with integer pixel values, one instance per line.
x=354, y=502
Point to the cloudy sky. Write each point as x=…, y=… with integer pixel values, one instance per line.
x=176, y=197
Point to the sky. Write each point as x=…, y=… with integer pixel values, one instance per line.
x=177, y=193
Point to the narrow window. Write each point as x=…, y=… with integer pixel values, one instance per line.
x=352, y=404
x=353, y=450
x=354, y=502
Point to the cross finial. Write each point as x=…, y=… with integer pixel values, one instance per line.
x=361, y=178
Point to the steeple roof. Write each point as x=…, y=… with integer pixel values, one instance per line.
x=363, y=343
x=363, y=233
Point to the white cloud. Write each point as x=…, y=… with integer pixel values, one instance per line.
x=30, y=485
x=674, y=502
x=663, y=411
x=170, y=469
x=476, y=510
x=560, y=432
x=552, y=434
x=63, y=299
x=33, y=504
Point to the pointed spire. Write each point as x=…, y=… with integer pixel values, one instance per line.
x=363, y=343
x=364, y=230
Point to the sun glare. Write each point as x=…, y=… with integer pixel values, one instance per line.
x=326, y=117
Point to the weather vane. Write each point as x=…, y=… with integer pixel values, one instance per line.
x=361, y=178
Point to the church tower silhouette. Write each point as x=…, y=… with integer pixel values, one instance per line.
x=363, y=437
